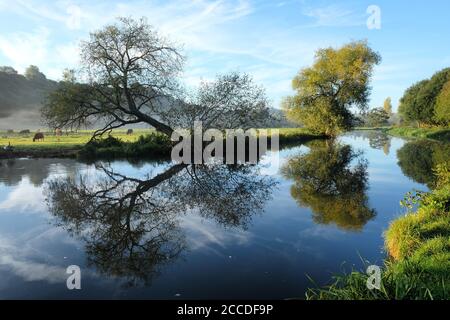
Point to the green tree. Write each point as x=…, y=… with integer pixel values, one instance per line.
x=69, y=75
x=442, y=112
x=409, y=108
x=387, y=106
x=8, y=70
x=33, y=73
x=377, y=117
x=326, y=92
x=419, y=101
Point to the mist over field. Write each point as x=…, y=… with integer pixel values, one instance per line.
x=21, y=97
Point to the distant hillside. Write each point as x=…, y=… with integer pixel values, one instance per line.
x=21, y=97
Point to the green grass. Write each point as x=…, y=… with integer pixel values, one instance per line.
x=418, y=245
x=71, y=141
x=442, y=134
x=79, y=139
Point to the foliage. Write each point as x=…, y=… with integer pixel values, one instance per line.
x=442, y=112
x=441, y=134
x=377, y=117
x=8, y=70
x=152, y=145
x=338, y=80
x=387, y=106
x=33, y=73
x=419, y=102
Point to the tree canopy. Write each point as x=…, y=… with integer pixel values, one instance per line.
x=387, y=106
x=326, y=92
x=33, y=73
x=377, y=117
x=442, y=112
x=419, y=102
x=131, y=74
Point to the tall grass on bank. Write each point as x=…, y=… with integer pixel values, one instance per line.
x=442, y=134
x=151, y=145
x=159, y=145
x=418, y=245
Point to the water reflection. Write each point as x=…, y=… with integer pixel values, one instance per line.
x=13, y=171
x=331, y=179
x=417, y=159
x=131, y=226
x=377, y=139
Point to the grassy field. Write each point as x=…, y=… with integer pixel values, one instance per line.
x=71, y=141
x=79, y=139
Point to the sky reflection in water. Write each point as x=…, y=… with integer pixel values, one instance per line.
x=219, y=232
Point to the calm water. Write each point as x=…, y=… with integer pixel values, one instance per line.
x=155, y=230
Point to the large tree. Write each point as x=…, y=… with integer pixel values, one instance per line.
x=442, y=111
x=387, y=106
x=377, y=117
x=326, y=92
x=419, y=102
x=131, y=74
x=409, y=108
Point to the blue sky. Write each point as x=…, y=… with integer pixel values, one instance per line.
x=272, y=40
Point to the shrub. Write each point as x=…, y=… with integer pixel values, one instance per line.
x=152, y=145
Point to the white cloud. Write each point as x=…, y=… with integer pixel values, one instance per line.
x=225, y=31
x=334, y=16
x=23, y=49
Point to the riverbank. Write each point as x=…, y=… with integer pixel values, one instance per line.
x=440, y=134
x=418, y=248
x=141, y=143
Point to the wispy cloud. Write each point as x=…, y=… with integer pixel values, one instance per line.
x=334, y=16
x=22, y=48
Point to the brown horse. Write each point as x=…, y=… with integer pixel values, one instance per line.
x=38, y=137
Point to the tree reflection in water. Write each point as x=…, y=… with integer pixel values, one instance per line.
x=331, y=179
x=418, y=159
x=131, y=226
x=380, y=140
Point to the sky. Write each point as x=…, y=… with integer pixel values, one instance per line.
x=271, y=40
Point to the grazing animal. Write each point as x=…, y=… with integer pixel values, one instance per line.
x=129, y=132
x=38, y=136
x=58, y=133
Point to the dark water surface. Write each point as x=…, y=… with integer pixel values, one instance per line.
x=157, y=230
